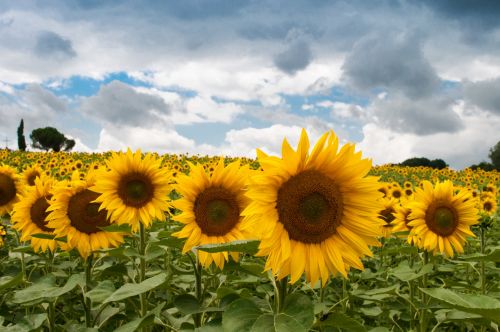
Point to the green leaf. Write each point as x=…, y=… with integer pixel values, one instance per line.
x=9, y=281
x=29, y=323
x=129, y=290
x=405, y=273
x=298, y=311
x=23, y=249
x=342, y=321
x=123, y=228
x=240, y=315
x=46, y=289
x=187, y=304
x=493, y=256
x=137, y=324
x=101, y=292
x=371, y=311
x=246, y=246
x=444, y=315
x=483, y=305
x=244, y=315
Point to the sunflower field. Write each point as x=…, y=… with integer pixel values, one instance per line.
x=316, y=239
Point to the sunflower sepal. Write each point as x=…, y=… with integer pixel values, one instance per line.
x=250, y=247
x=48, y=236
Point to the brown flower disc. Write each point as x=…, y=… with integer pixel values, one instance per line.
x=7, y=189
x=216, y=211
x=32, y=177
x=38, y=213
x=135, y=190
x=310, y=207
x=441, y=218
x=85, y=215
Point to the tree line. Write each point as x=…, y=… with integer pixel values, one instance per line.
x=48, y=138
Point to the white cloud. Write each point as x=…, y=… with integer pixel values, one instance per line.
x=165, y=140
x=461, y=149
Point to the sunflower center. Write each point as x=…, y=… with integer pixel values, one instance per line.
x=7, y=189
x=310, y=207
x=32, y=177
x=387, y=215
x=441, y=219
x=135, y=190
x=38, y=213
x=216, y=211
x=84, y=215
x=313, y=207
x=487, y=206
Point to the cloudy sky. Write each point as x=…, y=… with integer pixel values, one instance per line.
x=399, y=78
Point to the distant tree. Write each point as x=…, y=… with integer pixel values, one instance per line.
x=483, y=165
x=21, y=141
x=415, y=162
x=422, y=161
x=495, y=155
x=438, y=163
x=50, y=138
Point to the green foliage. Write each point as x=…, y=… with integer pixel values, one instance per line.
x=50, y=138
x=422, y=161
x=495, y=156
x=21, y=140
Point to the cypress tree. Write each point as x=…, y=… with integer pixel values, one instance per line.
x=21, y=141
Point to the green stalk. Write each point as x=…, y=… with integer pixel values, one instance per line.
x=344, y=295
x=198, y=288
x=52, y=317
x=142, y=267
x=23, y=263
x=282, y=288
x=88, y=280
x=423, y=323
x=483, y=268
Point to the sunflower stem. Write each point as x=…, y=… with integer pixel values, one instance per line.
x=52, y=316
x=142, y=267
x=423, y=323
x=483, y=269
x=281, y=289
x=23, y=262
x=86, y=299
x=198, y=289
x=344, y=295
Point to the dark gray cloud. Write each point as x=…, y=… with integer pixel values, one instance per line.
x=297, y=56
x=392, y=62
x=423, y=117
x=476, y=14
x=50, y=44
x=484, y=94
x=119, y=104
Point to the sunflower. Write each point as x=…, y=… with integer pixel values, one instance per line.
x=30, y=174
x=3, y=233
x=10, y=186
x=388, y=214
x=317, y=212
x=74, y=214
x=134, y=190
x=442, y=218
x=396, y=193
x=29, y=215
x=211, y=206
x=489, y=205
x=402, y=220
